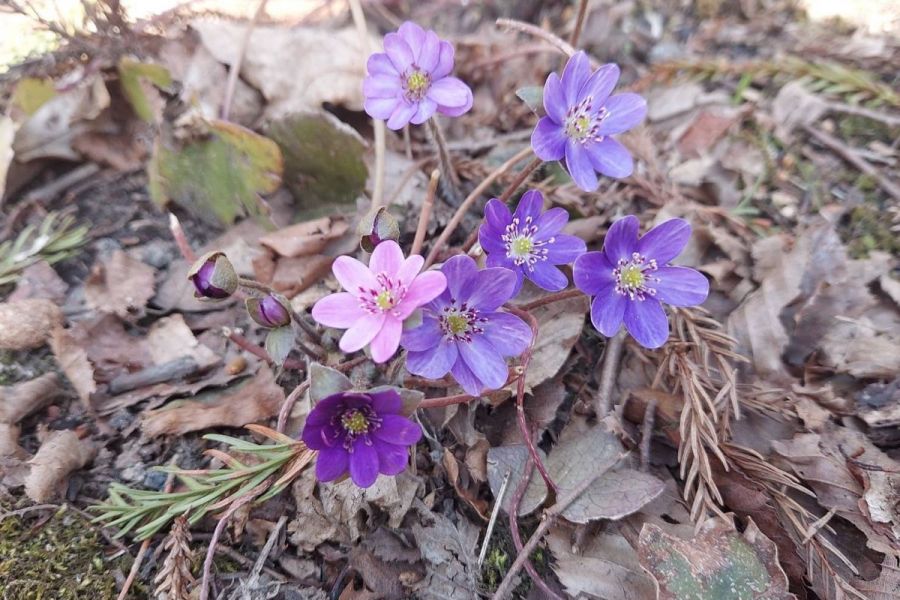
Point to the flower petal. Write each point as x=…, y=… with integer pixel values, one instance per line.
x=681, y=286
x=458, y=270
x=398, y=430
x=485, y=362
x=608, y=310
x=579, y=166
x=489, y=288
x=331, y=464
x=381, y=108
x=466, y=378
x=449, y=92
x=625, y=111
x=381, y=86
x=427, y=108
x=363, y=463
x=456, y=111
x=414, y=36
x=554, y=99
x=339, y=310
x=491, y=240
x=445, y=61
x=380, y=64
x=576, y=73
x=508, y=334
x=610, y=158
x=565, y=249
x=647, y=323
x=425, y=287
x=398, y=51
x=499, y=259
x=385, y=344
x=592, y=272
x=424, y=337
x=387, y=402
x=392, y=459
x=497, y=214
x=361, y=332
x=547, y=277
x=433, y=363
x=410, y=268
x=530, y=205
x=387, y=258
x=600, y=84
x=621, y=239
x=353, y=275
x=551, y=222
x=548, y=140
x=430, y=52
x=401, y=115
x=665, y=241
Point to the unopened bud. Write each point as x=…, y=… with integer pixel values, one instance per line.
x=270, y=311
x=213, y=276
x=376, y=227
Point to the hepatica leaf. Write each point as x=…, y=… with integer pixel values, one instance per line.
x=132, y=75
x=220, y=173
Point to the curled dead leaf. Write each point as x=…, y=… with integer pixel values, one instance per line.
x=120, y=285
x=60, y=454
x=22, y=399
x=26, y=324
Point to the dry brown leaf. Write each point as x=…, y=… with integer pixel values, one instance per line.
x=40, y=280
x=170, y=338
x=449, y=551
x=120, y=285
x=887, y=586
x=794, y=107
x=293, y=275
x=308, y=237
x=249, y=402
x=60, y=454
x=22, y=399
x=865, y=347
x=511, y=459
x=73, y=361
x=27, y=324
x=560, y=326
x=707, y=128
x=13, y=458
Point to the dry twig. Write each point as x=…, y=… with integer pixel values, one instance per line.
x=174, y=580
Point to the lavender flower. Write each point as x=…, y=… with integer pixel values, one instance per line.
x=529, y=243
x=362, y=433
x=213, y=276
x=270, y=311
x=631, y=278
x=581, y=117
x=463, y=332
x=409, y=81
x=378, y=298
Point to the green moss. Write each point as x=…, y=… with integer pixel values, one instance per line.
x=61, y=559
x=868, y=230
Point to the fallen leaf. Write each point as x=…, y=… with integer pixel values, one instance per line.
x=20, y=400
x=26, y=324
x=887, y=586
x=511, y=459
x=306, y=238
x=40, y=280
x=560, y=325
x=794, y=107
x=248, y=402
x=717, y=563
x=7, y=134
x=666, y=102
x=73, y=361
x=120, y=285
x=866, y=346
x=60, y=454
x=170, y=338
x=137, y=79
x=449, y=552
x=707, y=128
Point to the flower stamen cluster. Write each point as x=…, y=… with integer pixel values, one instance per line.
x=417, y=84
x=460, y=323
x=383, y=298
x=632, y=277
x=521, y=246
x=582, y=125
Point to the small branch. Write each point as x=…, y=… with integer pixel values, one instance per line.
x=288, y=405
x=425, y=214
x=647, y=434
x=551, y=298
x=470, y=199
x=520, y=179
x=235, y=68
x=608, y=374
x=181, y=239
x=451, y=179
x=260, y=352
x=889, y=119
x=537, y=32
x=579, y=23
x=498, y=502
x=514, y=374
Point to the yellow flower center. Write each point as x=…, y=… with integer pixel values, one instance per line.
x=457, y=324
x=632, y=277
x=384, y=300
x=417, y=83
x=522, y=246
x=355, y=422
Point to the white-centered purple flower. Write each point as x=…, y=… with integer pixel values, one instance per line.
x=528, y=241
x=410, y=80
x=581, y=119
x=378, y=299
x=631, y=279
x=464, y=333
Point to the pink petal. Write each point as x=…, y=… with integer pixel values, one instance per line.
x=387, y=258
x=414, y=36
x=362, y=332
x=353, y=275
x=380, y=64
x=339, y=310
x=381, y=108
x=387, y=341
x=401, y=115
x=424, y=288
x=410, y=268
x=398, y=51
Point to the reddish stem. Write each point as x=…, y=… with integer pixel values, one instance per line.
x=551, y=298
x=260, y=352
x=181, y=239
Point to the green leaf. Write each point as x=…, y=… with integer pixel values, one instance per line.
x=325, y=381
x=323, y=159
x=132, y=74
x=32, y=93
x=279, y=343
x=219, y=174
x=533, y=97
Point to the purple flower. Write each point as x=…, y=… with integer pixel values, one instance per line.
x=463, y=332
x=213, y=276
x=410, y=80
x=631, y=278
x=529, y=243
x=581, y=117
x=362, y=433
x=378, y=298
x=270, y=311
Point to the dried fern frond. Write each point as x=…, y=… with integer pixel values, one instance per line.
x=697, y=364
x=208, y=490
x=174, y=580
x=56, y=239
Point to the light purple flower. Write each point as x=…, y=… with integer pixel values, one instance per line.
x=409, y=81
x=463, y=333
x=362, y=433
x=528, y=242
x=631, y=278
x=378, y=299
x=582, y=117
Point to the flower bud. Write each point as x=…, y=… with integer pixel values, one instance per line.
x=213, y=276
x=377, y=227
x=270, y=311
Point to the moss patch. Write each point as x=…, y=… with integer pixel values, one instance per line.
x=868, y=230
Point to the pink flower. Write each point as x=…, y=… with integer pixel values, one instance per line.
x=378, y=299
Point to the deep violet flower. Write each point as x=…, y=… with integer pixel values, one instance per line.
x=272, y=310
x=378, y=299
x=582, y=117
x=631, y=279
x=410, y=80
x=213, y=277
x=463, y=333
x=529, y=242
x=362, y=433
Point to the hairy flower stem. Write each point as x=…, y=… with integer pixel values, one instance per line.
x=425, y=214
x=611, y=358
x=579, y=23
x=551, y=298
x=524, y=174
x=451, y=179
x=260, y=352
x=533, y=30
x=184, y=246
